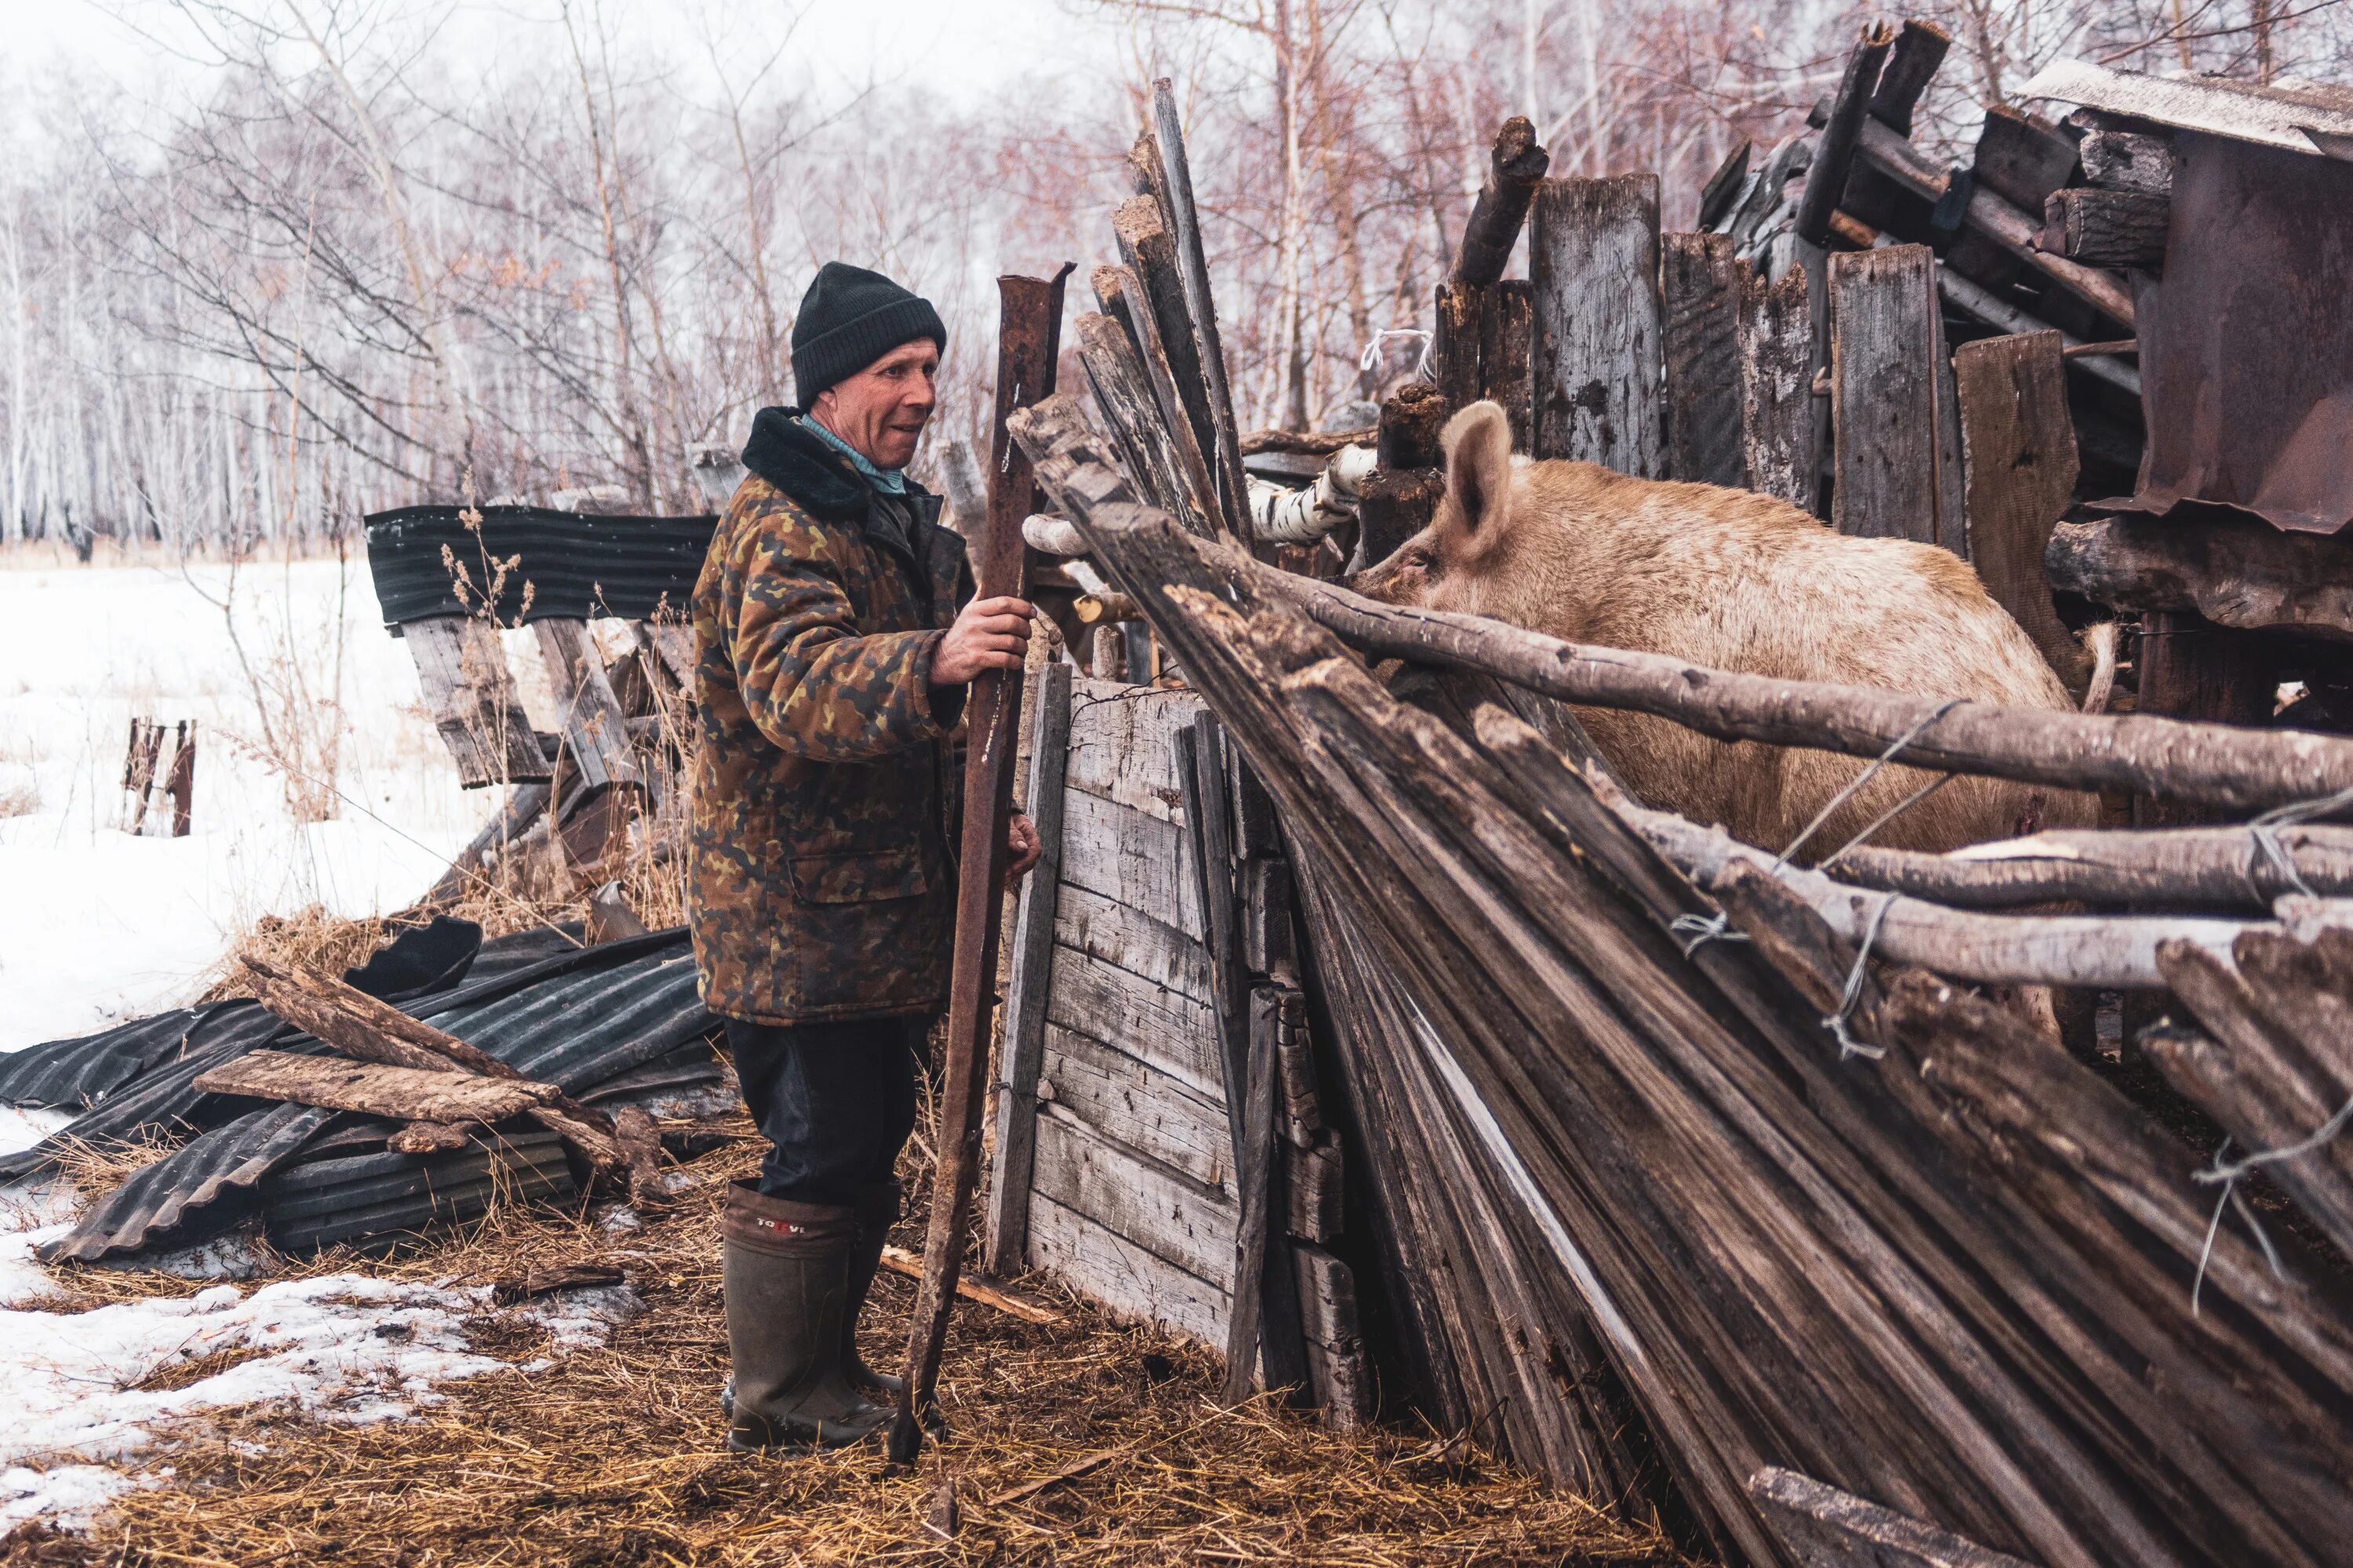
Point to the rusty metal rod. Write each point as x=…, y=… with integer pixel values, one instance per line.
x=1028, y=338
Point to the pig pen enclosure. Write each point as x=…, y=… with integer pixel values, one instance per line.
x=1360, y=1025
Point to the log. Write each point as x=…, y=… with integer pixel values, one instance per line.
x=2021, y=158
x=1391, y=508
x=1515, y=165
x=1595, y=361
x=1884, y=407
x=2234, y=571
x=2019, y=444
x=2214, y=765
x=405, y=1094
x=2128, y=160
x=2179, y=868
x=2108, y=952
x=1702, y=283
x=1920, y=47
x=1825, y=1528
x=2107, y=229
x=1022, y=1052
x=1029, y=334
x=1777, y=403
x=1980, y=304
x=1999, y=220
x=1834, y=153
x=1407, y=437
x=463, y=673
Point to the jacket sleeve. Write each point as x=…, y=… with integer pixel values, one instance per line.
x=815, y=688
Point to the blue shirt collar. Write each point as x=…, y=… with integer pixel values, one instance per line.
x=890, y=482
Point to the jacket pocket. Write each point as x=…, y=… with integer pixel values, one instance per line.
x=860, y=879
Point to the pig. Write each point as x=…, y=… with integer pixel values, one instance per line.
x=1734, y=581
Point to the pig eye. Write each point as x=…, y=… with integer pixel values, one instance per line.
x=1418, y=559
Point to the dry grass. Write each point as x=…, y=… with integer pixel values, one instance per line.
x=313, y=939
x=614, y=1456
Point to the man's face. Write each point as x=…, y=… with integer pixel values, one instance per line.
x=882, y=409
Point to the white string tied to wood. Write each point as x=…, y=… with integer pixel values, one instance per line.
x=1697, y=931
x=2226, y=1173
x=2263, y=831
x=1372, y=354
x=1852, y=991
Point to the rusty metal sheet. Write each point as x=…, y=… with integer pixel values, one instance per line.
x=2247, y=342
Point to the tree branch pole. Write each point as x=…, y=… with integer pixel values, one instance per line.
x=1028, y=338
x=2225, y=867
x=1193, y=267
x=2221, y=766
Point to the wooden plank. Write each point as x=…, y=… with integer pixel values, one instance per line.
x=672, y=645
x=1123, y=1277
x=1952, y=491
x=1315, y=1195
x=595, y=731
x=1124, y=395
x=1883, y=392
x=1455, y=348
x=408, y=1094
x=1022, y=1054
x=1594, y=261
x=1131, y=939
x=1130, y=857
x=1122, y=744
x=1700, y=295
x=2020, y=445
x=1823, y=1527
x=461, y=669
x=1263, y=1335
x=1162, y=1211
x=1777, y=403
x=1135, y=1103
x=1167, y=1028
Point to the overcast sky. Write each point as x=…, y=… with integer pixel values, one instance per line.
x=958, y=48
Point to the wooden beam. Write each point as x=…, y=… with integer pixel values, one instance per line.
x=2021, y=158
x=1834, y=150
x=1515, y=165
x=1883, y=388
x=2107, y=229
x=1701, y=287
x=2175, y=867
x=1595, y=362
x=2019, y=444
x=1263, y=1333
x=596, y=731
x=2234, y=571
x=1823, y=1527
x=1023, y=1049
x=1920, y=47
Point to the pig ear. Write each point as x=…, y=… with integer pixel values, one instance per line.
x=1478, y=443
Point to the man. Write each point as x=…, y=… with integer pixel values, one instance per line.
x=835, y=641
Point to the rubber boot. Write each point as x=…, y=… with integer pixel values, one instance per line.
x=877, y=1212
x=786, y=1274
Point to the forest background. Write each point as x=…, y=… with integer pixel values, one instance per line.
x=363, y=253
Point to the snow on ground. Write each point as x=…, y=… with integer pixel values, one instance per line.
x=100, y=926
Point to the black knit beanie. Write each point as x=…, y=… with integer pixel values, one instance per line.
x=850, y=318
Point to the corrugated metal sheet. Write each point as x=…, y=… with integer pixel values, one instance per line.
x=576, y=567
x=226, y=1162
x=2246, y=343
x=577, y=1019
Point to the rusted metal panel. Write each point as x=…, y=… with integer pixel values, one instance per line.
x=2247, y=342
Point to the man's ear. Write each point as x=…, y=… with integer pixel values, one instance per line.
x=1478, y=443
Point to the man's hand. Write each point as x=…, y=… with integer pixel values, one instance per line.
x=988, y=634
x=1021, y=842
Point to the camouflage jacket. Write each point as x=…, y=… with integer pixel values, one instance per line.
x=819, y=878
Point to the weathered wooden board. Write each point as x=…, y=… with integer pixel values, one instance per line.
x=595, y=731
x=1506, y=330
x=1823, y=1527
x=1161, y=1210
x=1130, y=857
x=1137, y=1105
x=1122, y=744
x=409, y=1094
x=2019, y=444
x=1700, y=285
x=1883, y=392
x=1132, y=939
x=1313, y=1187
x=1777, y=403
x=1167, y=1028
x=461, y=669
x=1593, y=258
x=1032, y=973
x=1105, y=1266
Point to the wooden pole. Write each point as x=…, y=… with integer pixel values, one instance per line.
x=1193, y=269
x=1028, y=337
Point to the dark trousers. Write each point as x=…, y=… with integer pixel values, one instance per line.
x=836, y=1103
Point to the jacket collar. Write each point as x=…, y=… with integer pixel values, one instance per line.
x=805, y=469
